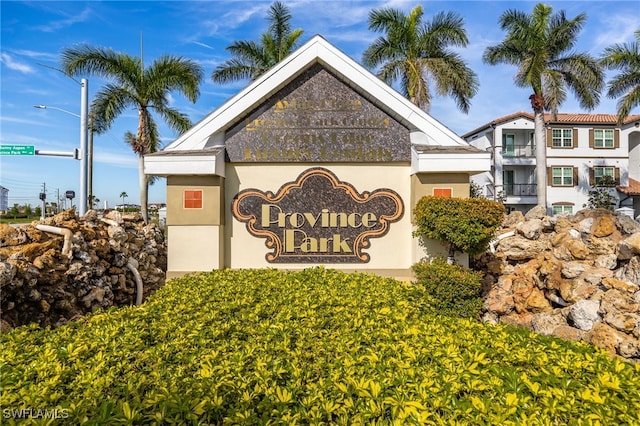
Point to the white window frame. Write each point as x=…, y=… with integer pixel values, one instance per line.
x=603, y=138
x=563, y=176
x=600, y=171
x=564, y=139
x=562, y=209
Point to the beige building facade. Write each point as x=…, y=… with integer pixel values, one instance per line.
x=317, y=162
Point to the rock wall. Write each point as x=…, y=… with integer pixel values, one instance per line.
x=576, y=277
x=38, y=283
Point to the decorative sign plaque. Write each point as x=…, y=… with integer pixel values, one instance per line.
x=317, y=218
x=318, y=118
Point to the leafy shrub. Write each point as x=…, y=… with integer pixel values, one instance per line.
x=317, y=347
x=467, y=224
x=455, y=290
x=602, y=195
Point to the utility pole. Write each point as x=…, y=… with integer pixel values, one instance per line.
x=43, y=197
x=57, y=200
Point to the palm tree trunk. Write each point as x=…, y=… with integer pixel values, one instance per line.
x=144, y=187
x=541, y=149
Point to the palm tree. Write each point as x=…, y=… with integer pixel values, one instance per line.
x=541, y=46
x=123, y=195
x=252, y=59
x=418, y=55
x=134, y=86
x=626, y=58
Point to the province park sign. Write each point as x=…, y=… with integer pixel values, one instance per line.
x=317, y=218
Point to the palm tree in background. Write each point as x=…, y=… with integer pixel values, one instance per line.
x=134, y=86
x=123, y=195
x=252, y=59
x=541, y=46
x=626, y=85
x=419, y=55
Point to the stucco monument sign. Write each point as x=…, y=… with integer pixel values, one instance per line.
x=317, y=218
x=317, y=161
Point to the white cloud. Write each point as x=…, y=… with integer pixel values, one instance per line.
x=125, y=160
x=12, y=64
x=67, y=22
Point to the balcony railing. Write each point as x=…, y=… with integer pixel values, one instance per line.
x=520, y=189
x=519, y=151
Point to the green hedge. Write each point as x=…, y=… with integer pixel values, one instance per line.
x=312, y=347
x=456, y=289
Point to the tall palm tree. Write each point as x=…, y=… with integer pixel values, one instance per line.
x=541, y=46
x=626, y=85
x=419, y=55
x=252, y=59
x=134, y=86
x=123, y=195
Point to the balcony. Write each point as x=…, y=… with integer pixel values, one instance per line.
x=514, y=151
x=520, y=189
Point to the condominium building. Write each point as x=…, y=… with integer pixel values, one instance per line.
x=581, y=149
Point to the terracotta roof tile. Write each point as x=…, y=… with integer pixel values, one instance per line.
x=562, y=117
x=632, y=189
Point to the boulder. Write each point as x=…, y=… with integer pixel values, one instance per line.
x=576, y=277
x=584, y=314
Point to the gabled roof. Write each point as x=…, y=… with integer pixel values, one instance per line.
x=561, y=118
x=209, y=131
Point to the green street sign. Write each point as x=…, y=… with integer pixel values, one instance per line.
x=17, y=150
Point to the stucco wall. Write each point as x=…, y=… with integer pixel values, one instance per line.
x=212, y=238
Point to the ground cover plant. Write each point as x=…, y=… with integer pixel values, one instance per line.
x=310, y=347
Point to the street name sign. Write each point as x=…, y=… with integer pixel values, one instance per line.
x=17, y=150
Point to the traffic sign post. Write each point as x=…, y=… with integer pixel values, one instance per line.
x=17, y=150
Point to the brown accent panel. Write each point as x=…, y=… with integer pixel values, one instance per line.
x=616, y=174
x=616, y=138
x=549, y=176
x=575, y=176
x=549, y=138
x=574, y=138
x=591, y=138
x=212, y=211
x=592, y=176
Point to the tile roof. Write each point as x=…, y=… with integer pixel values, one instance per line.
x=632, y=189
x=561, y=117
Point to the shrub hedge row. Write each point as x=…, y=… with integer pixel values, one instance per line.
x=260, y=347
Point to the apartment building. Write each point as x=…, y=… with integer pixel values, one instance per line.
x=581, y=149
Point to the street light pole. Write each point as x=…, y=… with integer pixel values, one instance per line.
x=84, y=152
x=84, y=130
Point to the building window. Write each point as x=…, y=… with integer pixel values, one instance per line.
x=562, y=176
x=442, y=192
x=562, y=209
x=600, y=172
x=562, y=138
x=603, y=138
x=192, y=198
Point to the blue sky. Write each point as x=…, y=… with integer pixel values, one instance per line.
x=34, y=32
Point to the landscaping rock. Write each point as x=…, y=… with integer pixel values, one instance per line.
x=40, y=284
x=576, y=277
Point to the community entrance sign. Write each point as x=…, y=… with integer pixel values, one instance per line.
x=316, y=162
x=317, y=218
